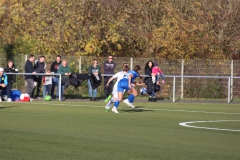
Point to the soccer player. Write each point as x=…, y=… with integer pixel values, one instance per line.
x=119, y=76
x=133, y=91
x=126, y=83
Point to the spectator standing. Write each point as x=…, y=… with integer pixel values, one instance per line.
x=11, y=78
x=47, y=83
x=93, y=70
x=109, y=67
x=39, y=67
x=54, y=69
x=29, y=68
x=63, y=69
x=152, y=86
x=3, y=82
x=148, y=71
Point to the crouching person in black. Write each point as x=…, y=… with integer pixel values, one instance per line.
x=3, y=82
x=11, y=78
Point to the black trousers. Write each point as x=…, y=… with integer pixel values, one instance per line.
x=1, y=91
x=107, y=90
x=39, y=84
x=8, y=89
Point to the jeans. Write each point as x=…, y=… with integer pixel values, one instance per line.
x=54, y=84
x=46, y=89
x=153, y=94
x=92, y=93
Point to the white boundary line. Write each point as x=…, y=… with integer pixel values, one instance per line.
x=96, y=106
x=185, y=124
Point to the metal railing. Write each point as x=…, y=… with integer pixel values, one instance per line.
x=230, y=82
x=230, y=78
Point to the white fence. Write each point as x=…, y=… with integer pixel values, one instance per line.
x=181, y=69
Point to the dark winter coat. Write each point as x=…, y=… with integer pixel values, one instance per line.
x=109, y=67
x=148, y=71
x=77, y=79
x=11, y=77
x=152, y=86
x=29, y=68
x=39, y=67
x=54, y=66
x=94, y=82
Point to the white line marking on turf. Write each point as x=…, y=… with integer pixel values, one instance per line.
x=186, y=124
x=168, y=110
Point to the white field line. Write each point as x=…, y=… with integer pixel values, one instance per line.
x=186, y=124
x=167, y=110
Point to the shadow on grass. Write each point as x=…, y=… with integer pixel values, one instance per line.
x=2, y=107
x=136, y=109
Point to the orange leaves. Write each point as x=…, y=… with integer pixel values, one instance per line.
x=172, y=29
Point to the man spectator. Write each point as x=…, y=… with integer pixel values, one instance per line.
x=54, y=69
x=39, y=67
x=64, y=70
x=29, y=68
x=3, y=82
x=108, y=67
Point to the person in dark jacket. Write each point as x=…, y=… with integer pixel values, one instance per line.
x=148, y=80
x=11, y=68
x=29, y=68
x=39, y=67
x=54, y=69
x=109, y=67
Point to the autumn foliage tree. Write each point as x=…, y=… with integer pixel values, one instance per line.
x=167, y=29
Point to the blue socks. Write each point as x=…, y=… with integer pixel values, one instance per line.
x=131, y=98
x=116, y=104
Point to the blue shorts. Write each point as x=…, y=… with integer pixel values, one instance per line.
x=123, y=84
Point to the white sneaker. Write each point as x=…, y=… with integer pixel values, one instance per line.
x=0, y=99
x=126, y=101
x=9, y=100
x=114, y=110
x=131, y=105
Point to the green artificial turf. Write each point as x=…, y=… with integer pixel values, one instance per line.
x=83, y=130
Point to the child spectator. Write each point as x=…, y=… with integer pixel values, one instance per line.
x=156, y=74
x=47, y=83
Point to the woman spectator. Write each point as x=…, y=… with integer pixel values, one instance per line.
x=152, y=88
x=94, y=71
x=148, y=80
x=11, y=68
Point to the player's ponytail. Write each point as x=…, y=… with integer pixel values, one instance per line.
x=125, y=68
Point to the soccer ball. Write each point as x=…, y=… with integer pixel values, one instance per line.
x=143, y=91
x=48, y=98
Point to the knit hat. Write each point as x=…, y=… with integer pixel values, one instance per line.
x=1, y=70
x=155, y=64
